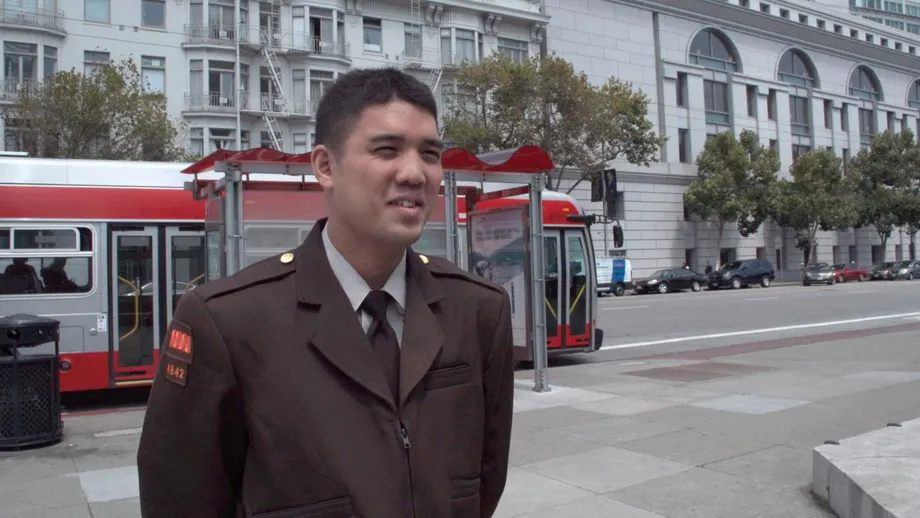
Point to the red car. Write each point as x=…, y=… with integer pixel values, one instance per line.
x=851, y=272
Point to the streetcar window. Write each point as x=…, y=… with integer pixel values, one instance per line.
x=51, y=239
x=35, y=275
x=271, y=238
x=4, y=239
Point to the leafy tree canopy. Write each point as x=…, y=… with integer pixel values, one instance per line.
x=102, y=115
x=502, y=104
x=816, y=197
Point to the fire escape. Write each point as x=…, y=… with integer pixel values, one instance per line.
x=416, y=57
x=270, y=39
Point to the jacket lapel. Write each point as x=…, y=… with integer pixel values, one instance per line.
x=330, y=322
x=423, y=336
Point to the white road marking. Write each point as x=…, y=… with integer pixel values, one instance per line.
x=762, y=298
x=860, y=291
x=631, y=363
x=758, y=331
x=117, y=433
x=625, y=307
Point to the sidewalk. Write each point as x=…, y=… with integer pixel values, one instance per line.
x=679, y=437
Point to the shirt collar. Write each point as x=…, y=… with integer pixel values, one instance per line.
x=355, y=286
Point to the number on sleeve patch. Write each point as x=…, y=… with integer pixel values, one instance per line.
x=176, y=370
x=179, y=344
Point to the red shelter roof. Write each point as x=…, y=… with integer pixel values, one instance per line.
x=526, y=159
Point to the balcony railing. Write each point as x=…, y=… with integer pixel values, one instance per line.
x=216, y=102
x=43, y=18
x=418, y=57
x=261, y=36
x=14, y=87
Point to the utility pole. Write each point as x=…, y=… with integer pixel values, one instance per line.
x=547, y=109
x=237, y=32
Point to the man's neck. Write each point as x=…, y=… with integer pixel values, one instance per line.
x=374, y=265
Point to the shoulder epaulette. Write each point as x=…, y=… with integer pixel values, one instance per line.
x=266, y=270
x=440, y=267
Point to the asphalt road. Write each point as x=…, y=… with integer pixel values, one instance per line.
x=636, y=325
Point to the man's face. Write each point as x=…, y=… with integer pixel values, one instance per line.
x=384, y=181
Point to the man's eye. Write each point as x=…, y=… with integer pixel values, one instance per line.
x=387, y=150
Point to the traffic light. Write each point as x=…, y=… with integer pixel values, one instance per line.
x=610, y=185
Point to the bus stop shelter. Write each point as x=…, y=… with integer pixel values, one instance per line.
x=246, y=175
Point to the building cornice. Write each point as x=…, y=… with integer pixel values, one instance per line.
x=499, y=10
x=719, y=13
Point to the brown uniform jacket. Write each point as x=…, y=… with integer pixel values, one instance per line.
x=269, y=401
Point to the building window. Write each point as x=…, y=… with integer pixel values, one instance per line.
x=828, y=114
x=681, y=89
x=323, y=23
x=153, y=74
x=795, y=68
x=221, y=83
x=153, y=13
x=844, y=117
x=773, y=144
x=867, y=125
x=683, y=143
x=715, y=96
x=196, y=141
x=711, y=49
x=300, y=143
x=752, y=101
x=890, y=117
x=799, y=116
x=195, y=83
x=50, y=64
x=413, y=37
x=94, y=59
x=514, y=49
x=373, y=35
x=96, y=11
x=225, y=138
x=466, y=45
x=20, y=64
x=299, y=93
x=299, y=27
x=771, y=105
x=799, y=150
x=864, y=84
x=845, y=158
x=268, y=143
x=320, y=81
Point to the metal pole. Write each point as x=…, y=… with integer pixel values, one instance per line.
x=233, y=220
x=538, y=288
x=239, y=82
x=453, y=220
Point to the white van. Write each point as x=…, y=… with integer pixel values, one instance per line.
x=614, y=275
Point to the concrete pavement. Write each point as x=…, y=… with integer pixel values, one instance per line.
x=692, y=428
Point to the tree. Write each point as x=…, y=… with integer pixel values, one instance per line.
x=502, y=104
x=102, y=115
x=818, y=196
x=882, y=172
x=736, y=178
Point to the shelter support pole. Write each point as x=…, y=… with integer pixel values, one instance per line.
x=233, y=220
x=537, y=288
x=451, y=217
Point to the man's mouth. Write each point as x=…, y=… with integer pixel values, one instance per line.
x=407, y=203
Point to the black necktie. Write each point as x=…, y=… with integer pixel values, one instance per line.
x=383, y=338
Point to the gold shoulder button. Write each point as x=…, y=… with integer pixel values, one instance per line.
x=287, y=258
x=424, y=258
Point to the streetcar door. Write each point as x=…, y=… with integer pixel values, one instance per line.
x=135, y=305
x=185, y=265
x=552, y=281
x=579, y=288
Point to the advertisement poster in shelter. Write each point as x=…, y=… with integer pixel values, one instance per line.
x=498, y=251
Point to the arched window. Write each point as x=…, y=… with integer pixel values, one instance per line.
x=913, y=95
x=711, y=49
x=864, y=84
x=797, y=69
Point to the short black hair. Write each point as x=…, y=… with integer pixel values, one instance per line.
x=346, y=99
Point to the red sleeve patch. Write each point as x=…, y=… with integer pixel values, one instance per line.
x=179, y=343
x=176, y=370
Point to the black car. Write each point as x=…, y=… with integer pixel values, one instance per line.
x=672, y=279
x=821, y=273
x=738, y=274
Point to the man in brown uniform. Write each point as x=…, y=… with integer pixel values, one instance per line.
x=350, y=377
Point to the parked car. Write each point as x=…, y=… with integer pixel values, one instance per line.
x=909, y=270
x=613, y=275
x=737, y=274
x=882, y=272
x=851, y=272
x=672, y=279
x=819, y=273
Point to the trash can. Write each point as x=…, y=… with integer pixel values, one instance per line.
x=30, y=396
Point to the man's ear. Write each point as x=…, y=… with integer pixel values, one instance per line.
x=321, y=159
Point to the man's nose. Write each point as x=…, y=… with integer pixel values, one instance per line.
x=412, y=170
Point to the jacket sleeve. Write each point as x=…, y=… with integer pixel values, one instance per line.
x=498, y=380
x=192, y=445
